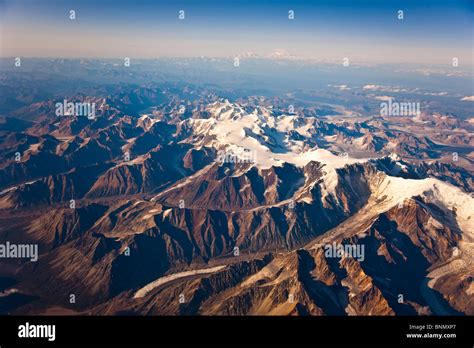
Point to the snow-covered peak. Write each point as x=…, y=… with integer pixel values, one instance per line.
x=266, y=138
x=235, y=127
x=394, y=157
x=395, y=190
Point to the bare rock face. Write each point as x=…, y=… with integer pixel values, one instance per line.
x=118, y=248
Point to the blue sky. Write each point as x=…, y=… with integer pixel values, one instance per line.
x=365, y=31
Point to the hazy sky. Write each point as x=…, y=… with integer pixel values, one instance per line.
x=432, y=31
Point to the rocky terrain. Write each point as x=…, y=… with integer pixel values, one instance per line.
x=218, y=207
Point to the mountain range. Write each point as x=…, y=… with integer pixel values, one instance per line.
x=172, y=205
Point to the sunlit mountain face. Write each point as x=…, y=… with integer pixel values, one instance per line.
x=236, y=170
